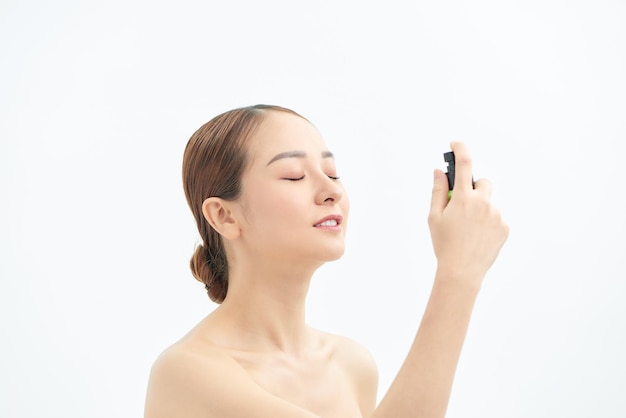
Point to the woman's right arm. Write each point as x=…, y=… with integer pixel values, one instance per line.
x=467, y=234
x=189, y=385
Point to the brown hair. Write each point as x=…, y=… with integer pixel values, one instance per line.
x=214, y=160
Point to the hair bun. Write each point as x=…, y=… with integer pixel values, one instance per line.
x=208, y=273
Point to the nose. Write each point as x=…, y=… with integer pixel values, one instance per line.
x=330, y=191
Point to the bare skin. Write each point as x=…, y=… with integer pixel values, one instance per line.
x=254, y=356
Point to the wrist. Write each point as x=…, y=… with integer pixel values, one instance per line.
x=463, y=280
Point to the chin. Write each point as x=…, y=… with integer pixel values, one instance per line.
x=335, y=254
x=317, y=251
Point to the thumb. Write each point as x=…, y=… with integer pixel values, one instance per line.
x=439, y=198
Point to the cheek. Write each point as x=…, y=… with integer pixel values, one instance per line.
x=344, y=203
x=272, y=208
x=345, y=208
x=289, y=207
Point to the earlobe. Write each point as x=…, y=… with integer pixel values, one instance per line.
x=219, y=215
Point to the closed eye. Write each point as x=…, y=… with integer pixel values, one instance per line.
x=302, y=178
x=293, y=179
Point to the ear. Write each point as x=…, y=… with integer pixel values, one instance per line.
x=219, y=215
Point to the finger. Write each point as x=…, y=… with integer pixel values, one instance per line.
x=484, y=186
x=463, y=166
x=439, y=198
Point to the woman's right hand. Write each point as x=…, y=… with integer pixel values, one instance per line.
x=467, y=231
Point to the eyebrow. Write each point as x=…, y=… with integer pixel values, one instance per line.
x=297, y=154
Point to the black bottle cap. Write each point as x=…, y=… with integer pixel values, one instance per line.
x=449, y=158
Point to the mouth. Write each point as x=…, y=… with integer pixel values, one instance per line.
x=329, y=221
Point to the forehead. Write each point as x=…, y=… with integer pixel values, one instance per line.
x=281, y=132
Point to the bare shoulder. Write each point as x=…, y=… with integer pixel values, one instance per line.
x=359, y=364
x=178, y=378
x=355, y=356
x=192, y=381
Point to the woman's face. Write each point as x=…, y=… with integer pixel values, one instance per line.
x=293, y=207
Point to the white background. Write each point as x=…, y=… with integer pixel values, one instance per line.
x=98, y=99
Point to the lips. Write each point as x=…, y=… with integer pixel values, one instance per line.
x=329, y=221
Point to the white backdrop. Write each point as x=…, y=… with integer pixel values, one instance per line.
x=98, y=99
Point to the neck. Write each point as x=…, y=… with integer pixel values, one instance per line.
x=266, y=306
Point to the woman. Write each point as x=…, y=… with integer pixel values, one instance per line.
x=270, y=209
